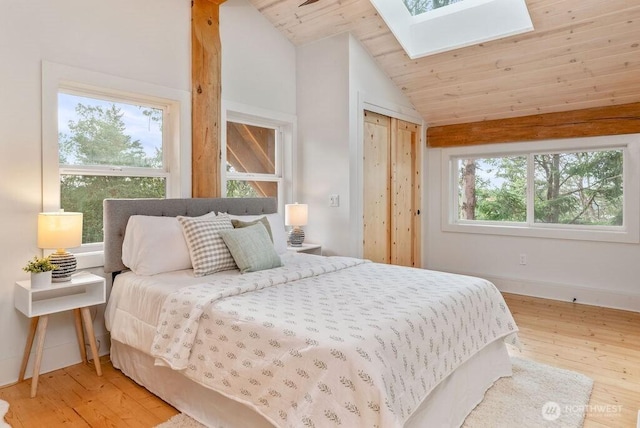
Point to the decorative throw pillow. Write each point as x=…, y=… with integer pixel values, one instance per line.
x=208, y=252
x=239, y=224
x=276, y=222
x=251, y=248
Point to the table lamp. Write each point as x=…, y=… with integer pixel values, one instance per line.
x=60, y=230
x=295, y=215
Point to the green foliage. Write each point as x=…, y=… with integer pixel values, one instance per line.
x=569, y=188
x=240, y=189
x=416, y=7
x=507, y=202
x=98, y=137
x=579, y=188
x=85, y=193
x=39, y=265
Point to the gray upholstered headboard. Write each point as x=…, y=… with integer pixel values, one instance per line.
x=118, y=211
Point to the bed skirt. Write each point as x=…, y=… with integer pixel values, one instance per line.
x=447, y=405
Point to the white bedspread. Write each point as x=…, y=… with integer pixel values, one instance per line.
x=331, y=342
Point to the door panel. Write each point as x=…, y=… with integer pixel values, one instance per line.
x=376, y=236
x=403, y=194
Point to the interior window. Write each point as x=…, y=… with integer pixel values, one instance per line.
x=253, y=166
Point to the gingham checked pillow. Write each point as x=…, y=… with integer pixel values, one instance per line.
x=209, y=254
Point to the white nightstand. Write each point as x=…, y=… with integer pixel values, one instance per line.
x=307, y=248
x=84, y=290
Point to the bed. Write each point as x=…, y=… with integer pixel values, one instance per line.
x=318, y=341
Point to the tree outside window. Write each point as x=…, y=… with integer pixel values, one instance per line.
x=573, y=188
x=107, y=150
x=416, y=7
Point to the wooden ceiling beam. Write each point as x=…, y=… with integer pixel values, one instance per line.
x=612, y=120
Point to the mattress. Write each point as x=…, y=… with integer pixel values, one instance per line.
x=138, y=309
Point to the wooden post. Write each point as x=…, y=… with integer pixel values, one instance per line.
x=206, y=96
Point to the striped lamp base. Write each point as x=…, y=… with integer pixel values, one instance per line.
x=66, y=263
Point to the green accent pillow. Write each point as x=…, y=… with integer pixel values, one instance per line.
x=251, y=248
x=239, y=224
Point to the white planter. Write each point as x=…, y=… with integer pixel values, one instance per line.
x=41, y=279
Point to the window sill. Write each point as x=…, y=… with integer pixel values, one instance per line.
x=89, y=260
x=550, y=232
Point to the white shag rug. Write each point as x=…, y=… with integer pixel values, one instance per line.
x=537, y=395
x=4, y=408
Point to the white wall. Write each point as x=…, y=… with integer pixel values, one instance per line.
x=145, y=40
x=598, y=273
x=259, y=78
x=258, y=62
x=323, y=140
x=337, y=78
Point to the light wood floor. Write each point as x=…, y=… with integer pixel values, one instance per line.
x=601, y=343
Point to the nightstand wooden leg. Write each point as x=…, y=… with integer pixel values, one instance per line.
x=42, y=331
x=88, y=324
x=80, y=334
x=27, y=347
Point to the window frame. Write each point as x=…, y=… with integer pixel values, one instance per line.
x=629, y=232
x=174, y=103
x=465, y=23
x=284, y=125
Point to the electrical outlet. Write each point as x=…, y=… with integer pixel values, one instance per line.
x=523, y=259
x=334, y=200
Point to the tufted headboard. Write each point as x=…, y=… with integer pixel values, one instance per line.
x=118, y=211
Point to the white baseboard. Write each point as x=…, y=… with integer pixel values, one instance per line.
x=565, y=292
x=53, y=358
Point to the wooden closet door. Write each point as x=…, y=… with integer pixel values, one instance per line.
x=405, y=194
x=391, y=191
x=377, y=188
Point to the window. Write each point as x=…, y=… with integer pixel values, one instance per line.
x=107, y=149
x=493, y=189
x=427, y=27
x=257, y=153
x=252, y=157
x=574, y=192
x=107, y=142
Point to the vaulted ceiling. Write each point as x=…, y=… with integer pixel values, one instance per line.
x=582, y=54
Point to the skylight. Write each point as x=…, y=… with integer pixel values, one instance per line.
x=417, y=7
x=427, y=27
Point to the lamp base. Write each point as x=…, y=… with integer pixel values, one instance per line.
x=296, y=236
x=66, y=263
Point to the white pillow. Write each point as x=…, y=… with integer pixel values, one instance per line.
x=277, y=228
x=155, y=244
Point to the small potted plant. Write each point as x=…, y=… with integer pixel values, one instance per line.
x=40, y=269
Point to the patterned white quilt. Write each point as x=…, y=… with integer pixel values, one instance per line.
x=335, y=342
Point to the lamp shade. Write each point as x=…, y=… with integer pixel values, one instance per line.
x=59, y=230
x=296, y=214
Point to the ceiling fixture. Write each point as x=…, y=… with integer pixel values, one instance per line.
x=308, y=2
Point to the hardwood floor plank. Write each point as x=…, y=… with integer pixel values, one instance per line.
x=598, y=342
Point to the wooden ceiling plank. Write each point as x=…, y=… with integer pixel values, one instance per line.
x=546, y=42
x=481, y=115
x=500, y=80
x=517, y=110
x=559, y=94
x=576, y=46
